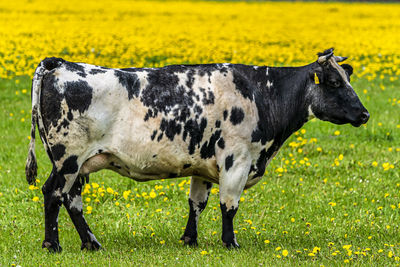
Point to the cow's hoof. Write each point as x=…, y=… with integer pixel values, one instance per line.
x=190, y=241
x=231, y=245
x=52, y=246
x=91, y=245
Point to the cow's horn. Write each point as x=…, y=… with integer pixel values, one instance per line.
x=324, y=58
x=340, y=59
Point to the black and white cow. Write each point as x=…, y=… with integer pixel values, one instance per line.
x=219, y=123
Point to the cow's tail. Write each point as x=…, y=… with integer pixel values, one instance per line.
x=45, y=66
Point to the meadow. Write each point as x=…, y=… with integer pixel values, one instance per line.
x=330, y=197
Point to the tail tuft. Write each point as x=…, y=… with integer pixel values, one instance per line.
x=31, y=168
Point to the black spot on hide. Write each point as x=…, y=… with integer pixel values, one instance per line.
x=195, y=131
x=237, y=115
x=153, y=135
x=221, y=143
x=58, y=151
x=50, y=101
x=228, y=162
x=70, y=166
x=208, y=185
x=130, y=81
x=225, y=114
x=75, y=67
x=70, y=117
x=243, y=84
x=170, y=128
x=51, y=63
x=185, y=166
x=208, y=148
x=78, y=95
x=96, y=71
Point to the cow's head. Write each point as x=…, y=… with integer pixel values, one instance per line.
x=332, y=97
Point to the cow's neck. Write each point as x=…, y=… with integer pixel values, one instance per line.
x=283, y=107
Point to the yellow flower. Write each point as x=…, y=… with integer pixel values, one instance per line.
x=336, y=133
x=203, y=252
x=267, y=241
x=125, y=194
x=285, y=253
x=152, y=194
x=35, y=199
x=110, y=190
x=89, y=209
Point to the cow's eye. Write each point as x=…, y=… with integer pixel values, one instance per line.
x=335, y=83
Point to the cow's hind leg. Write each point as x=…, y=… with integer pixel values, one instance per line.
x=52, y=202
x=73, y=204
x=233, y=179
x=198, y=197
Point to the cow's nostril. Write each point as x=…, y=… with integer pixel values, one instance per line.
x=364, y=116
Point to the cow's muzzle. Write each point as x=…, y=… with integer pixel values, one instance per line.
x=362, y=119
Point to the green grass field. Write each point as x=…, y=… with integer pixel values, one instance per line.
x=334, y=201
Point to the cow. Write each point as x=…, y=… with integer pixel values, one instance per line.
x=218, y=123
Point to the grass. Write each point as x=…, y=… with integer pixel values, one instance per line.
x=313, y=212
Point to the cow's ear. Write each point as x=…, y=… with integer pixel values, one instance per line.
x=348, y=69
x=317, y=76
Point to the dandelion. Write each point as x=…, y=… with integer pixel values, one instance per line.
x=285, y=253
x=35, y=199
x=89, y=209
x=110, y=190
x=336, y=133
x=126, y=194
x=152, y=194
x=203, y=252
x=267, y=241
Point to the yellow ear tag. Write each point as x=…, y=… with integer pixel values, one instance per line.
x=316, y=80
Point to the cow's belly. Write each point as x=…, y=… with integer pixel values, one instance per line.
x=139, y=158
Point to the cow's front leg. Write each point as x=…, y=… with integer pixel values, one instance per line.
x=73, y=204
x=232, y=181
x=52, y=201
x=198, y=197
